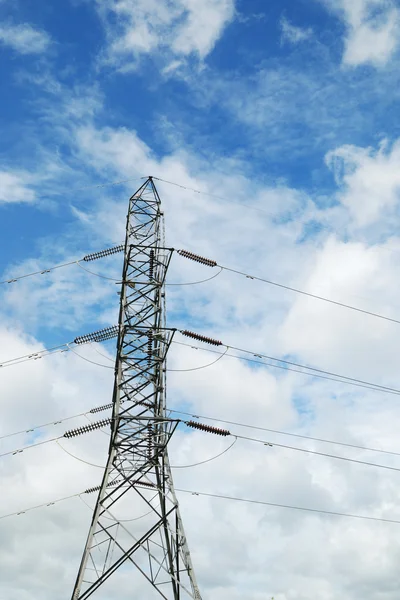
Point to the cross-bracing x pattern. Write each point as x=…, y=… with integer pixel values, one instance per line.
x=136, y=526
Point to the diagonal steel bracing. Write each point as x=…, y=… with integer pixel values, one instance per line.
x=136, y=522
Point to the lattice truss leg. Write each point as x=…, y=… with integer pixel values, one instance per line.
x=136, y=526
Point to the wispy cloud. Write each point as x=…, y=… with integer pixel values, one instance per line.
x=293, y=34
x=23, y=38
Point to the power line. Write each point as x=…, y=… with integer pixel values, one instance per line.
x=288, y=506
x=86, y=258
x=258, y=209
x=32, y=429
x=90, y=187
x=310, y=295
x=317, y=373
x=207, y=460
x=223, y=497
x=368, y=386
x=226, y=432
x=96, y=410
x=242, y=204
x=44, y=505
x=265, y=442
x=20, y=450
x=213, y=263
x=316, y=453
x=41, y=272
x=277, y=431
x=316, y=370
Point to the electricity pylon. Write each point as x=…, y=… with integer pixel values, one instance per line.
x=136, y=525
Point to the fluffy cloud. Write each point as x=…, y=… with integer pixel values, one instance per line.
x=179, y=29
x=373, y=30
x=15, y=187
x=369, y=180
x=23, y=38
x=253, y=552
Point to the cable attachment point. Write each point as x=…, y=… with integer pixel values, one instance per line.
x=103, y=253
x=208, y=428
x=87, y=428
x=201, y=338
x=200, y=259
x=98, y=336
x=97, y=487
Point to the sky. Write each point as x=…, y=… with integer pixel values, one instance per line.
x=272, y=129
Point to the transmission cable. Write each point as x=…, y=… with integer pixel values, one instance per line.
x=288, y=506
x=258, y=209
x=212, y=263
x=226, y=432
x=298, y=435
x=117, y=520
x=222, y=497
x=342, y=378
x=44, y=505
x=21, y=450
x=203, y=462
x=87, y=258
x=99, y=274
x=98, y=425
x=98, y=409
x=86, y=462
x=310, y=295
x=88, y=359
x=260, y=362
x=202, y=366
x=41, y=272
x=112, y=332
x=243, y=204
x=197, y=282
x=32, y=429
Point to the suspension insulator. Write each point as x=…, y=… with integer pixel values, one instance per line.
x=104, y=407
x=103, y=253
x=101, y=408
x=98, y=336
x=201, y=338
x=87, y=428
x=144, y=403
x=151, y=265
x=97, y=487
x=150, y=442
x=200, y=259
x=150, y=347
x=145, y=483
x=208, y=428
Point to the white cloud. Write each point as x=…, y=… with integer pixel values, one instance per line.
x=14, y=187
x=179, y=29
x=370, y=181
x=24, y=38
x=373, y=30
x=250, y=552
x=293, y=34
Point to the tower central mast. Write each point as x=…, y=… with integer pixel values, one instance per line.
x=136, y=526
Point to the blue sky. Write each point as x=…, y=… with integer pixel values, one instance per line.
x=261, y=97
x=284, y=115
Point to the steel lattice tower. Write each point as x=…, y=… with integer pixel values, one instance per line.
x=136, y=525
